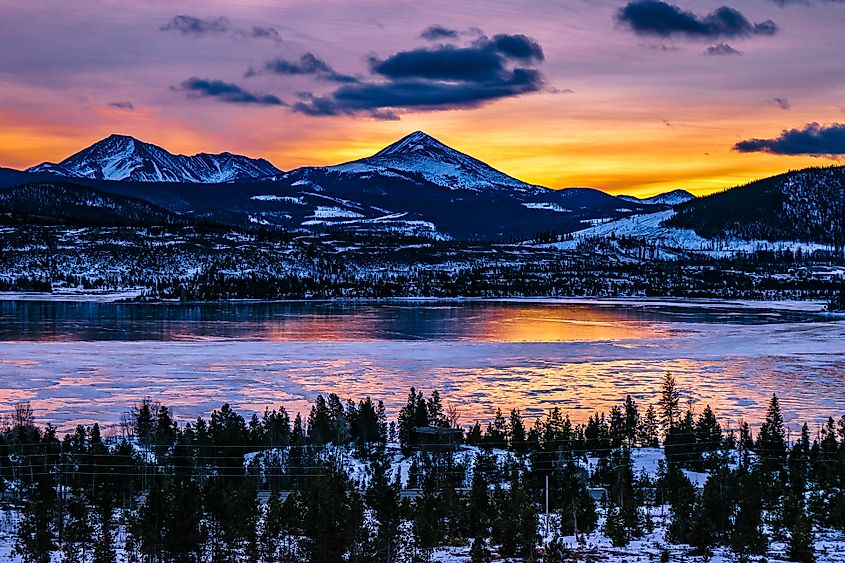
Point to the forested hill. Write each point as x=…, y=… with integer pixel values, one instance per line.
x=806, y=205
x=59, y=203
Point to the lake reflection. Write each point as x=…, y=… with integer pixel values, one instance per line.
x=487, y=321
x=85, y=362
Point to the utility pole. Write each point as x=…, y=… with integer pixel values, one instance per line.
x=547, y=506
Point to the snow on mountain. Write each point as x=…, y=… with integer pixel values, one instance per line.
x=651, y=227
x=675, y=197
x=119, y=157
x=419, y=153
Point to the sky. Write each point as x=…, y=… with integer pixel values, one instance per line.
x=635, y=97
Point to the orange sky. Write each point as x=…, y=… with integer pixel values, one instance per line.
x=644, y=115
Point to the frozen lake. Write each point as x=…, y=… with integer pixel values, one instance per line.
x=80, y=362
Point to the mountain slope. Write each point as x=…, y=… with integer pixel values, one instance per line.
x=119, y=157
x=806, y=205
x=60, y=203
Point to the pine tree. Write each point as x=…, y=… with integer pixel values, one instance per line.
x=771, y=440
x=648, y=433
x=517, y=432
x=632, y=421
x=708, y=431
x=614, y=528
x=34, y=534
x=332, y=515
x=104, y=551
x=412, y=416
x=428, y=519
x=680, y=494
x=516, y=524
x=382, y=498
x=801, y=540
x=272, y=529
x=478, y=504
x=747, y=537
x=479, y=552
x=78, y=531
x=618, y=431
x=669, y=402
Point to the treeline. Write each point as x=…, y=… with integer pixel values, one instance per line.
x=332, y=486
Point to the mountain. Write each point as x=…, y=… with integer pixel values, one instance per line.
x=415, y=186
x=675, y=197
x=420, y=155
x=61, y=203
x=420, y=183
x=805, y=205
x=119, y=157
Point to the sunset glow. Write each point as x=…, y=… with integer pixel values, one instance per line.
x=617, y=110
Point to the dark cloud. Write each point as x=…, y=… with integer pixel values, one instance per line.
x=487, y=58
x=813, y=140
x=516, y=46
x=661, y=19
x=226, y=92
x=374, y=98
x=437, y=78
x=720, y=50
x=190, y=25
x=260, y=32
x=446, y=62
x=782, y=103
x=122, y=105
x=308, y=64
x=438, y=32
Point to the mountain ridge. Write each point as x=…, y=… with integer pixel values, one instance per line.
x=122, y=157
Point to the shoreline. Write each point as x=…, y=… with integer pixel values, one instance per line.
x=128, y=297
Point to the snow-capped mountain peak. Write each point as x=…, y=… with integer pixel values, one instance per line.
x=418, y=142
x=422, y=154
x=121, y=157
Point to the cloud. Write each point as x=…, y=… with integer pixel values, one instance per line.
x=782, y=103
x=198, y=27
x=226, y=92
x=372, y=98
x=720, y=50
x=437, y=78
x=190, y=25
x=438, y=32
x=813, y=140
x=661, y=19
x=122, y=105
x=516, y=46
x=260, y=32
x=308, y=64
x=485, y=59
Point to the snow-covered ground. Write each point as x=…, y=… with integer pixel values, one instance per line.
x=650, y=227
x=78, y=295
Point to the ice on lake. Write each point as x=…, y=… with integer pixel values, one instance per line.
x=87, y=362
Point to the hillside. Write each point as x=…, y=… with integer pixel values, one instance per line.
x=805, y=205
x=60, y=203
